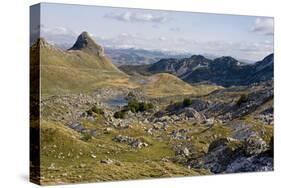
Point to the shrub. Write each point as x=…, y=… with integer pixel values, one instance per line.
x=96, y=110
x=135, y=106
x=150, y=106
x=186, y=102
x=120, y=114
x=243, y=98
x=86, y=136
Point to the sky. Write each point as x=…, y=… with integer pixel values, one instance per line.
x=242, y=37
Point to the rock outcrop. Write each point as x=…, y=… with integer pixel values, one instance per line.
x=85, y=43
x=228, y=155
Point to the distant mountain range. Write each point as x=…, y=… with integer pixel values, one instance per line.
x=139, y=56
x=225, y=71
x=133, y=56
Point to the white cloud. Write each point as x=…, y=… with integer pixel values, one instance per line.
x=137, y=17
x=175, y=29
x=60, y=36
x=162, y=38
x=57, y=31
x=264, y=26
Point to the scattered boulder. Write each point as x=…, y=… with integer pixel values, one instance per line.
x=254, y=145
x=158, y=125
x=52, y=166
x=221, y=152
x=192, y=113
x=136, y=143
x=93, y=156
x=210, y=121
x=179, y=134
x=145, y=121
x=149, y=131
x=77, y=127
x=107, y=130
x=164, y=119
x=184, y=151
x=220, y=142
x=106, y=161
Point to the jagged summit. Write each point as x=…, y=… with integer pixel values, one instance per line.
x=225, y=59
x=85, y=43
x=197, y=57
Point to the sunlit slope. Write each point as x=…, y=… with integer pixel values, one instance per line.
x=76, y=71
x=165, y=84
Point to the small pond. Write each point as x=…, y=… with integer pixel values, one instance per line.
x=117, y=101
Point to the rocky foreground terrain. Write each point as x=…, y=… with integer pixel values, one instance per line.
x=99, y=124
x=83, y=140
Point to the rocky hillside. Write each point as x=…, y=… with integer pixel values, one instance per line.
x=227, y=71
x=224, y=71
x=84, y=140
x=179, y=66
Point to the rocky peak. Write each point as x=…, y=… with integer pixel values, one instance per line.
x=86, y=43
x=226, y=59
x=197, y=58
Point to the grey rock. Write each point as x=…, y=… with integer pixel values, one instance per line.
x=77, y=127
x=134, y=142
x=255, y=145
x=106, y=161
x=250, y=164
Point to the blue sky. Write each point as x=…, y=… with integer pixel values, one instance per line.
x=243, y=37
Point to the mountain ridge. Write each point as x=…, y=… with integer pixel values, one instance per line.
x=225, y=71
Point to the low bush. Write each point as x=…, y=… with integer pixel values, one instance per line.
x=187, y=102
x=86, y=136
x=96, y=110
x=135, y=106
x=120, y=114
x=243, y=98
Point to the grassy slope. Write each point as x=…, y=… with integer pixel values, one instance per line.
x=165, y=84
x=77, y=71
x=64, y=148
